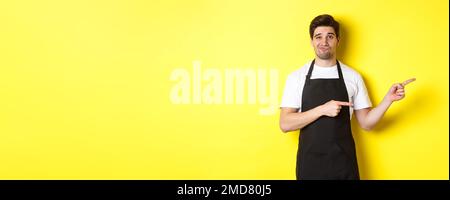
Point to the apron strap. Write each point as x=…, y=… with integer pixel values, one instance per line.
x=308, y=76
x=341, y=77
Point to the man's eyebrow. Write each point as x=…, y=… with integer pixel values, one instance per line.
x=321, y=33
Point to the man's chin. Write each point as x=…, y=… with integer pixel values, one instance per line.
x=324, y=56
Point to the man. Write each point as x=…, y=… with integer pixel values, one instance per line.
x=319, y=99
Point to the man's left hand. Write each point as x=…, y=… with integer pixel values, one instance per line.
x=397, y=91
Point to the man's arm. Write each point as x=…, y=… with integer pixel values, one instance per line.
x=369, y=117
x=291, y=120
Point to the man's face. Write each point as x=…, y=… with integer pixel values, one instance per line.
x=324, y=42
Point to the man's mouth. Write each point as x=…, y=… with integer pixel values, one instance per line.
x=324, y=48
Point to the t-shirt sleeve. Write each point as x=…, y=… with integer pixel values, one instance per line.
x=291, y=95
x=361, y=99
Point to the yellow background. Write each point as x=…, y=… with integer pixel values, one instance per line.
x=85, y=87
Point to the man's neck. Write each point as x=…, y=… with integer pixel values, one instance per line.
x=325, y=63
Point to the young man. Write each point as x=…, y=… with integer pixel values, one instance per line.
x=319, y=99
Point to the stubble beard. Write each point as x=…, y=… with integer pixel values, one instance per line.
x=324, y=56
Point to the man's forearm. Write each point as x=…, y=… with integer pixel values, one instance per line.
x=375, y=114
x=296, y=121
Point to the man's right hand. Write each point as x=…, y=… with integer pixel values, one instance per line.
x=332, y=108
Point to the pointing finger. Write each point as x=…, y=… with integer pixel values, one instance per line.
x=408, y=81
x=343, y=103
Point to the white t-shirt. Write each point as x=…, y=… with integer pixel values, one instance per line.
x=357, y=92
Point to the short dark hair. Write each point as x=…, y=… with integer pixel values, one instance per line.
x=323, y=20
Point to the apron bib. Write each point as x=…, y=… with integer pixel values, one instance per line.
x=326, y=147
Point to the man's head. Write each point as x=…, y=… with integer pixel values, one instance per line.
x=324, y=33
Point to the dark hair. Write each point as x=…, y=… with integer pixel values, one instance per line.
x=323, y=20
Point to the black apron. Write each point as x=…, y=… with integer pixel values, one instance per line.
x=326, y=146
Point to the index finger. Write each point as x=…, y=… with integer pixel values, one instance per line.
x=343, y=103
x=408, y=81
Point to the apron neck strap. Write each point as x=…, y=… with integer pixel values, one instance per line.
x=341, y=77
x=308, y=76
